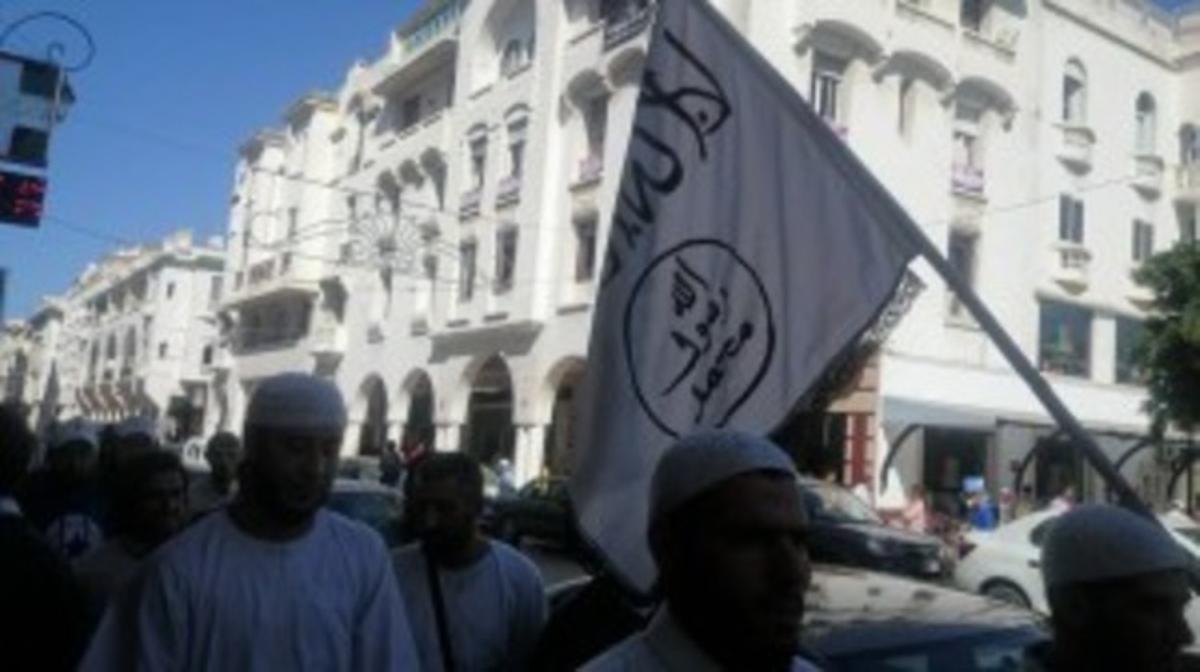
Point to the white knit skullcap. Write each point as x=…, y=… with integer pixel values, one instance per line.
x=701, y=461
x=1100, y=542
x=297, y=402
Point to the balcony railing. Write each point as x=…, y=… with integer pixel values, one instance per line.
x=445, y=19
x=591, y=169
x=1187, y=181
x=469, y=203
x=625, y=21
x=1063, y=361
x=509, y=191
x=261, y=272
x=967, y=180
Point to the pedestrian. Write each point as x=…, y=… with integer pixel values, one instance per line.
x=65, y=501
x=1117, y=587
x=273, y=581
x=43, y=613
x=916, y=512
x=148, y=508
x=223, y=454
x=391, y=467
x=726, y=530
x=474, y=603
x=981, y=514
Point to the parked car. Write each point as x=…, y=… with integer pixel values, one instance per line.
x=540, y=510
x=359, y=467
x=378, y=506
x=863, y=621
x=845, y=530
x=1005, y=563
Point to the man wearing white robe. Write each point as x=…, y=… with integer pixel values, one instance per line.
x=273, y=582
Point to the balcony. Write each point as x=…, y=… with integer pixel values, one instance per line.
x=277, y=275
x=626, y=21
x=1075, y=147
x=509, y=192
x=428, y=31
x=1148, y=174
x=327, y=345
x=967, y=181
x=1187, y=183
x=261, y=272
x=468, y=204
x=1070, y=265
x=861, y=23
x=589, y=172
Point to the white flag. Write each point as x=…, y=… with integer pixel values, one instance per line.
x=748, y=250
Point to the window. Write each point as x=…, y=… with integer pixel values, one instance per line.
x=516, y=146
x=585, y=250
x=1065, y=339
x=478, y=156
x=908, y=106
x=972, y=14
x=1147, y=125
x=1074, y=101
x=961, y=253
x=1129, y=336
x=162, y=350
x=293, y=223
x=206, y=359
x=1189, y=145
x=214, y=288
x=39, y=79
x=827, y=75
x=466, y=271
x=1070, y=220
x=1143, y=240
x=170, y=290
x=1187, y=223
x=967, y=169
x=410, y=112
x=110, y=351
x=506, y=259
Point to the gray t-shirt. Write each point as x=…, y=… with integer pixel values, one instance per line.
x=215, y=598
x=495, y=609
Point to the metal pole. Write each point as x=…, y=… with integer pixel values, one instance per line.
x=1126, y=495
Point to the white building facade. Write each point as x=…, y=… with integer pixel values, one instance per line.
x=429, y=235
x=134, y=336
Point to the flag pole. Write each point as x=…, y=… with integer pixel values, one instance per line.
x=1041, y=389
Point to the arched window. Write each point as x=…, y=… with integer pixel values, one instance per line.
x=1147, y=125
x=1074, y=94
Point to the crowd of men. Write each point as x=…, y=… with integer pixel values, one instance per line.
x=111, y=560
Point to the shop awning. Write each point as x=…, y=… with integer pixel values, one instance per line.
x=899, y=413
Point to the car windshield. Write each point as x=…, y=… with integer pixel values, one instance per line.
x=833, y=503
x=1192, y=534
x=989, y=653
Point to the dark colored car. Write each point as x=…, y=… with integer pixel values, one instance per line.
x=846, y=531
x=540, y=510
x=860, y=621
x=378, y=506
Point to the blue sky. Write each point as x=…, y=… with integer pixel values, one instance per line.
x=175, y=87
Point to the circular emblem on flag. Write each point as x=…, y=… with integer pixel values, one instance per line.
x=699, y=336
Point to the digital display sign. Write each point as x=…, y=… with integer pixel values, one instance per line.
x=21, y=198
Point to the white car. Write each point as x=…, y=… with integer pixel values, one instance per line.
x=1005, y=564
